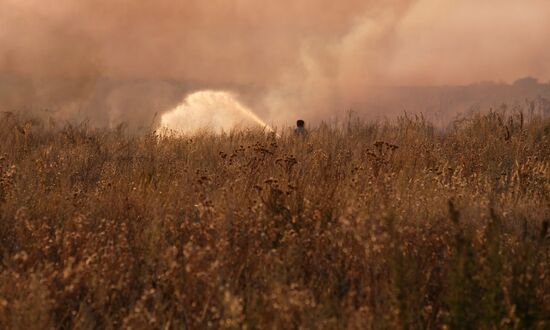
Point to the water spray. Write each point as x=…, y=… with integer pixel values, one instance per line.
x=216, y=111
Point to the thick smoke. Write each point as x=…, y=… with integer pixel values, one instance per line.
x=110, y=61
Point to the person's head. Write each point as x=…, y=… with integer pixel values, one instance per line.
x=300, y=123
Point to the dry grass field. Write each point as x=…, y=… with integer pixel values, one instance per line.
x=358, y=226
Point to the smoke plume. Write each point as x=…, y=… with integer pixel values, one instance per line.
x=110, y=61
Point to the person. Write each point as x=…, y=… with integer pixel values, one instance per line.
x=300, y=128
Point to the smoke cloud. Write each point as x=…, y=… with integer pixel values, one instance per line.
x=110, y=61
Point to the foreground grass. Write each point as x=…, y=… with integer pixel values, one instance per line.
x=366, y=226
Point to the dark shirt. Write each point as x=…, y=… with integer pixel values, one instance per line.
x=300, y=131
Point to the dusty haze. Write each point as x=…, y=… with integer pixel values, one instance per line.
x=122, y=60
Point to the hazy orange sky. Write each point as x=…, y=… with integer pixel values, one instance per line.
x=317, y=54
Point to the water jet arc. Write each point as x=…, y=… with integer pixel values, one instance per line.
x=215, y=111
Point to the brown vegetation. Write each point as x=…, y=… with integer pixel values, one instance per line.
x=382, y=225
